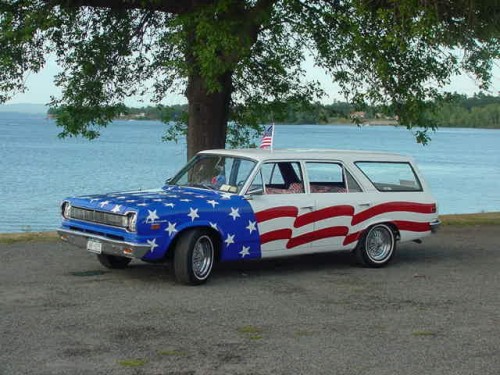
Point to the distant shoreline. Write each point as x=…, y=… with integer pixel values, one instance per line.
x=344, y=122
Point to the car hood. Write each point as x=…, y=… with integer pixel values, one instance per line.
x=145, y=201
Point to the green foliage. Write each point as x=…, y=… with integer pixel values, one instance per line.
x=392, y=56
x=481, y=111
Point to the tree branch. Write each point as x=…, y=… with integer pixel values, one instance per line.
x=255, y=14
x=167, y=6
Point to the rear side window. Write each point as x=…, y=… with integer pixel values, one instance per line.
x=330, y=178
x=390, y=176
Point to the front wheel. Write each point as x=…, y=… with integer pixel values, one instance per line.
x=194, y=257
x=377, y=246
x=113, y=262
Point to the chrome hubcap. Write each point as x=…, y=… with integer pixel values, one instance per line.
x=379, y=244
x=202, y=260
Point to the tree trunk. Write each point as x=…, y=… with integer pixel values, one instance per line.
x=208, y=114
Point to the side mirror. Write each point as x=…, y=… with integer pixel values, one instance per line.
x=168, y=180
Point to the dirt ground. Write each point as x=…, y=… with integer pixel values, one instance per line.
x=434, y=310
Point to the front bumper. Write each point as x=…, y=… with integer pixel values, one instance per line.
x=108, y=246
x=435, y=225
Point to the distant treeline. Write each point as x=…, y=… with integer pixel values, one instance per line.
x=480, y=110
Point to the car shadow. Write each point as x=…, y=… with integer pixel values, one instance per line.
x=407, y=254
x=341, y=262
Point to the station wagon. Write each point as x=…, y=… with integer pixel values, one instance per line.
x=249, y=204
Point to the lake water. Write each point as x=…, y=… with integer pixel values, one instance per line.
x=38, y=170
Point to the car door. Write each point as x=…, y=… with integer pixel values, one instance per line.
x=278, y=198
x=337, y=198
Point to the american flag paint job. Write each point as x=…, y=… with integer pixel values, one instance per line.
x=337, y=221
x=173, y=210
x=245, y=231
x=277, y=222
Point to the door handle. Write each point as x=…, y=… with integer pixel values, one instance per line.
x=365, y=204
x=307, y=207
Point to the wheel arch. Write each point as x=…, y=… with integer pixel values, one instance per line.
x=214, y=234
x=361, y=252
x=394, y=228
x=391, y=225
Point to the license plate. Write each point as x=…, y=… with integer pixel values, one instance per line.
x=94, y=246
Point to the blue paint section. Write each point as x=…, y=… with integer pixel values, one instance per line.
x=164, y=213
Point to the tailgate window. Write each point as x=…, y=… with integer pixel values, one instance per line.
x=390, y=176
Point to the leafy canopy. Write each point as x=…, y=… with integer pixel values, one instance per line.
x=396, y=55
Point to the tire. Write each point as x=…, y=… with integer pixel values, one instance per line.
x=377, y=247
x=194, y=257
x=113, y=261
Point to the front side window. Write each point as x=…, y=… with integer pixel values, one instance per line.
x=390, y=176
x=280, y=178
x=215, y=172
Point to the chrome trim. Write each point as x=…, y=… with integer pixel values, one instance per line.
x=93, y=214
x=435, y=225
x=109, y=246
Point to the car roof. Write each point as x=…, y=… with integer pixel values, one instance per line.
x=310, y=154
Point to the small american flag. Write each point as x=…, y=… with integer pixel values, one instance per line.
x=267, y=138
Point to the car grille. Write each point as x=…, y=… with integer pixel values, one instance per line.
x=93, y=216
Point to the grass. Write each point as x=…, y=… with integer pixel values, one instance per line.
x=251, y=332
x=487, y=218
x=132, y=362
x=11, y=238
x=423, y=333
x=304, y=333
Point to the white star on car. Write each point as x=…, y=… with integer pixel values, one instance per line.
x=185, y=200
x=235, y=212
x=102, y=204
x=213, y=225
x=152, y=216
x=245, y=251
x=153, y=244
x=193, y=213
x=169, y=205
x=251, y=226
x=212, y=203
x=171, y=228
x=229, y=240
x=142, y=204
x=226, y=196
x=116, y=209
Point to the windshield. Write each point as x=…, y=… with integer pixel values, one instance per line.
x=215, y=172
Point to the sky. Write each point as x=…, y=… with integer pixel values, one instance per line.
x=41, y=86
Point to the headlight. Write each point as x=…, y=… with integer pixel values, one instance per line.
x=66, y=210
x=131, y=224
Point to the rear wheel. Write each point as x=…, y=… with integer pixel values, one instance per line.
x=113, y=262
x=194, y=257
x=377, y=246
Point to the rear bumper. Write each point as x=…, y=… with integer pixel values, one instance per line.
x=108, y=246
x=435, y=225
